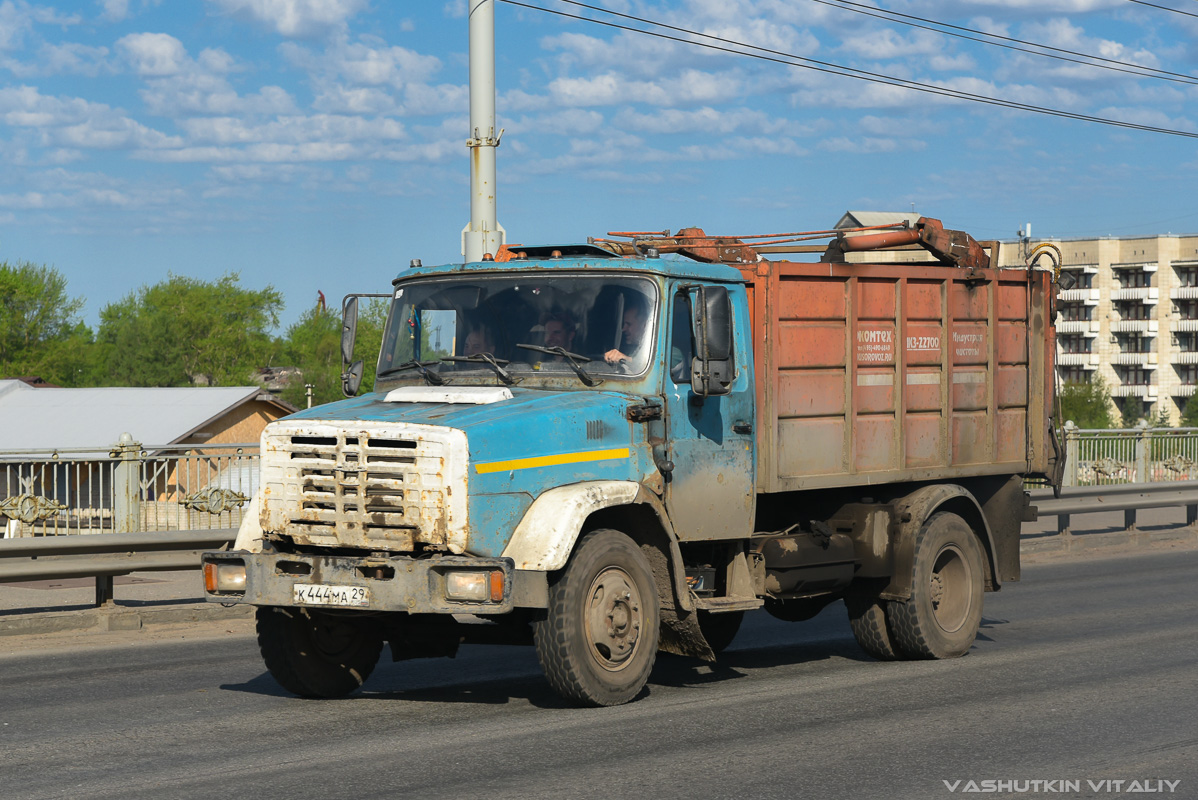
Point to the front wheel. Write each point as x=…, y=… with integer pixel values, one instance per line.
x=598, y=640
x=316, y=654
x=942, y=617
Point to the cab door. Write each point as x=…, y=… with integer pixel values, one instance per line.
x=710, y=491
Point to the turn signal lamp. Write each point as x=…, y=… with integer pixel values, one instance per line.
x=475, y=587
x=221, y=577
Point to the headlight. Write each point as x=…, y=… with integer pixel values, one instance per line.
x=224, y=577
x=475, y=587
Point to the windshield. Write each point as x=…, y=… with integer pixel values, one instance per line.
x=605, y=319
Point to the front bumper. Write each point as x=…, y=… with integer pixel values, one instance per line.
x=393, y=583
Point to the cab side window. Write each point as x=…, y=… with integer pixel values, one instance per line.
x=682, y=345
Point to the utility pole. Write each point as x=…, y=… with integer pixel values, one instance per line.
x=483, y=235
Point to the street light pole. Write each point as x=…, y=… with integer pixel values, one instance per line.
x=483, y=235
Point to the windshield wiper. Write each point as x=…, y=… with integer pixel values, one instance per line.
x=573, y=359
x=433, y=378
x=491, y=361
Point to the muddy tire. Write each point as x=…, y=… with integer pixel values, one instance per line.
x=720, y=629
x=314, y=654
x=598, y=640
x=941, y=619
x=867, y=618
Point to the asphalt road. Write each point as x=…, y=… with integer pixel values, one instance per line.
x=1085, y=671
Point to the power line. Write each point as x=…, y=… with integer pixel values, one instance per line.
x=1164, y=8
x=1115, y=65
x=790, y=59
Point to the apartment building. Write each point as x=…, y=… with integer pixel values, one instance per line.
x=1130, y=316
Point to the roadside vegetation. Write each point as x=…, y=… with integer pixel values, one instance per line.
x=178, y=332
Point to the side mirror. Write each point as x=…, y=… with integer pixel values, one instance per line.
x=349, y=328
x=712, y=367
x=351, y=380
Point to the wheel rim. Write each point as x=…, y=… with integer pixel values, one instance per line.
x=950, y=589
x=613, y=619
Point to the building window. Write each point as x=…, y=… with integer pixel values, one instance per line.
x=1075, y=312
x=1133, y=311
x=1133, y=376
x=1074, y=344
x=1074, y=374
x=1187, y=373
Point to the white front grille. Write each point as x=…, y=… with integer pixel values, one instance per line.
x=368, y=485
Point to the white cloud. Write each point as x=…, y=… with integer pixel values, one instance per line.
x=701, y=120
x=293, y=130
x=294, y=18
x=76, y=123
x=154, y=55
x=114, y=10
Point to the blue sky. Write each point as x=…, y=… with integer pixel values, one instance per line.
x=320, y=144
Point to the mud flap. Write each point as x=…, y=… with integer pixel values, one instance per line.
x=680, y=635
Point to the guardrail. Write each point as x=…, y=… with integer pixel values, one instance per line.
x=1128, y=498
x=106, y=555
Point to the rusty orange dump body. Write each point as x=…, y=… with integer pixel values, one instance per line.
x=881, y=373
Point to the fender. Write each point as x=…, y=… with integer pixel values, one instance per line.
x=550, y=528
x=913, y=511
x=249, y=535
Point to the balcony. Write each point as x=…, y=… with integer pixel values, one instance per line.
x=1087, y=296
x=1085, y=269
x=1142, y=266
x=1141, y=390
x=1185, y=390
x=1184, y=325
x=1184, y=357
x=1184, y=293
x=1084, y=360
x=1087, y=327
x=1135, y=326
x=1145, y=294
x=1135, y=359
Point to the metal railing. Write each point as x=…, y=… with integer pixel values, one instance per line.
x=1129, y=455
x=127, y=487
x=1128, y=498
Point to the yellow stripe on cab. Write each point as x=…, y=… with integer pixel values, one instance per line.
x=552, y=461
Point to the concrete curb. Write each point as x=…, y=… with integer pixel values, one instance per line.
x=118, y=618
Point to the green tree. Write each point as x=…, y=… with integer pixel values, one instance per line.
x=1132, y=411
x=185, y=331
x=1088, y=405
x=40, y=331
x=313, y=344
x=1189, y=414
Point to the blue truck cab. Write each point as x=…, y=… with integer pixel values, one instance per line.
x=541, y=437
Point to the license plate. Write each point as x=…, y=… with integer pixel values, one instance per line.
x=319, y=594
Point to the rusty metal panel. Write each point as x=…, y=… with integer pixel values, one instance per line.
x=1011, y=388
x=810, y=344
x=875, y=299
x=970, y=301
x=810, y=446
x=948, y=375
x=811, y=393
x=875, y=391
x=923, y=300
x=923, y=390
x=1011, y=432
x=1012, y=301
x=924, y=440
x=811, y=298
x=874, y=446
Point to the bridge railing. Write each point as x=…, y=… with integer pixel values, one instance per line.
x=126, y=487
x=1129, y=455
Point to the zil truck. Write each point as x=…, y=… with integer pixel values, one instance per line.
x=621, y=446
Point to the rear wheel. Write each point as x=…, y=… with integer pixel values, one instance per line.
x=316, y=654
x=942, y=617
x=598, y=640
x=867, y=618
